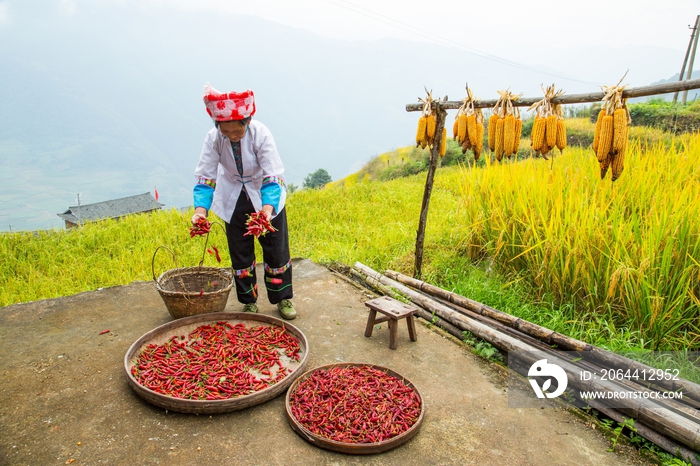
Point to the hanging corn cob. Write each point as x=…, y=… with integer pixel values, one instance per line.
x=425, y=134
x=611, y=133
x=548, y=129
x=470, y=126
x=505, y=126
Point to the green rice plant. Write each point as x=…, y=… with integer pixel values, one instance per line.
x=628, y=250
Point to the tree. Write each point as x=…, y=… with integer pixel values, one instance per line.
x=317, y=179
x=291, y=188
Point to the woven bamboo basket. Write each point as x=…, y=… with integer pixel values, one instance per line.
x=192, y=291
x=352, y=448
x=163, y=333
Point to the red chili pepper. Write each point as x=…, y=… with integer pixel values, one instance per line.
x=355, y=404
x=216, y=251
x=215, y=361
x=104, y=331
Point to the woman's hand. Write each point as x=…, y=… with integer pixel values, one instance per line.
x=268, y=210
x=199, y=212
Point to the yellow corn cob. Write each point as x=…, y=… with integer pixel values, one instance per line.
x=620, y=130
x=551, y=132
x=462, y=129
x=605, y=138
x=498, y=146
x=471, y=129
x=538, y=130
x=561, y=134
x=493, y=119
x=518, y=133
x=618, y=160
x=545, y=149
x=604, y=166
x=479, y=146
x=443, y=142
x=455, y=129
x=596, y=134
x=420, y=134
x=430, y=128
x=508, y=134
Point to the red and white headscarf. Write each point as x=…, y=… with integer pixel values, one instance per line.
x=229, y=106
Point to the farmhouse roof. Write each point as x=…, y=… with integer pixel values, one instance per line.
x=111, y=209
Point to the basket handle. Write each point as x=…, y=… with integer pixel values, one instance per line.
x=153, y=268
x=206, y=241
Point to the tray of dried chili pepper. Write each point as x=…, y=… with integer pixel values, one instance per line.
x=215, y=363
x=354, y=408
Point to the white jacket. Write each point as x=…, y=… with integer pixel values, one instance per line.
x=260, y=160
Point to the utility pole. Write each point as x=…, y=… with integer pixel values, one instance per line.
x=78, y=208
x=687, y=54
x=692, y=58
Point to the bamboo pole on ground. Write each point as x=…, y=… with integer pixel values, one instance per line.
x=660, y=417
x=606, y=358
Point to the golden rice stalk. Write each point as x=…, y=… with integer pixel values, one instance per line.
x=605, y=138
x=618, y=160
x=596, y=134
x=518, y=133
x=604, y=166
x=455, y=129
x=420, y=134
x=493, y=120
x=508, y=134
x=462, y=129
x=471, y=129
x=620, y=130
x=443, y=142
x=561, y=134
x=538, y=130
x=430, y=128
x=498, y=146
x=551, y=132
x=479, y=146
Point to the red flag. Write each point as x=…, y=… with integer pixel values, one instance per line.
x=156, y=193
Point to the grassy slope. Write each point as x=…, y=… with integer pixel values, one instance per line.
x=371, y=222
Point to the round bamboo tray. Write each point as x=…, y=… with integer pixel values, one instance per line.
x=185, y=325
x=345, y=447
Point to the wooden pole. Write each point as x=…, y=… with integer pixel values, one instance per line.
x=643, y=91
x=687, y=54
x=692, y=60
x=434, y=155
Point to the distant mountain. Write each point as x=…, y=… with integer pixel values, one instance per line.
x=106, y=102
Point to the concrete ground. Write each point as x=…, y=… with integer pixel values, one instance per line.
x=65, y=398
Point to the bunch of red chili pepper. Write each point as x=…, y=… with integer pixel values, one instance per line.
x=217, y=361
x=355, y=404
x=201, y=228
x=258, y=224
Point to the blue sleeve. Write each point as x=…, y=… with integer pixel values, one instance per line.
x=271, y=193
x=203, y=195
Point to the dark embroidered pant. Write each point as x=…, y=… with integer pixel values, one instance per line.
x=275, y=246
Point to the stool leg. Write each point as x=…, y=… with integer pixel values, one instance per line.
x=370, y=322
x=411, y=328
x=393, y=331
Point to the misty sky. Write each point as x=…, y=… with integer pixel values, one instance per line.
x=567, y=35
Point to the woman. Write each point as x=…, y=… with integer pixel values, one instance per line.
x=239, y=173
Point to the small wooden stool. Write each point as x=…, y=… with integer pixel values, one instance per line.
x=393, y=310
